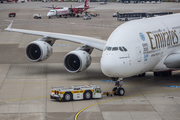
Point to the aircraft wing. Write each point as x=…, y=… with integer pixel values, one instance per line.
x=92, y=42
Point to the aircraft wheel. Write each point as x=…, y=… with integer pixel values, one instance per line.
x=87, y=95
x=126, y=19
x=140, y=75
x=143, y=74
x=67, y=96
x=121, y=91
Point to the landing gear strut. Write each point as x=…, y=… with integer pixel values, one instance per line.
x=118, y=90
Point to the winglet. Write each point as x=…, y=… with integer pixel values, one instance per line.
x=9, y=27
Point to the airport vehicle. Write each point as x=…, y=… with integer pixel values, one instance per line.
x=86, y=92
x=46, y=0
x=160, y=14
x=134, y=16
x=115, y=14
x=135, y=47
x=64, y=11
x=101, y=2
x=130, y=16
x=12, y=14
x=87, y=17
x=91, y=13
x=37, y=16
x=77, y=92
x=139, y=1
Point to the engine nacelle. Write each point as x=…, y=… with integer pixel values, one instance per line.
x=77, y=61
x=38, y=51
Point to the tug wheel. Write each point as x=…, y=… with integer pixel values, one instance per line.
x=87, y=95
x=67, y=96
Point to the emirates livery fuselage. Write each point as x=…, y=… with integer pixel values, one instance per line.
x=139, y=46
x=133, y=48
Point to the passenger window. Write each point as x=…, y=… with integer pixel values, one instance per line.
x=120, y=49
x=114, y=48
x=124, y=48
x=109, y=48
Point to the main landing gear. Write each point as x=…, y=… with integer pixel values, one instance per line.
x=118, y=90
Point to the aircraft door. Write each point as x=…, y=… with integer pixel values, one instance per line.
x=139, y=54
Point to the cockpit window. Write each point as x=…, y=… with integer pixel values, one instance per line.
x=105, y=48
x=114, y=48
x=120, y=49
x=109, y=48
x=124, y=48
x=52, y=11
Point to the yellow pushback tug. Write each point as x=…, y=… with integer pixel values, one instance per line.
x=80, y=92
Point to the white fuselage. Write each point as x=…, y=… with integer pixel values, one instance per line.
x=63, y=11
x=148, y=43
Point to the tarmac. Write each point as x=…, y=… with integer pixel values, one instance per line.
x=25, y=86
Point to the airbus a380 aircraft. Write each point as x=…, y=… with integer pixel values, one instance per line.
x=133, y=48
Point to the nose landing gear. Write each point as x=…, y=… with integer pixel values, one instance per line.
x=118, y=90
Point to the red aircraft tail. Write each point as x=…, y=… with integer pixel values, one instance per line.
x=86, y=4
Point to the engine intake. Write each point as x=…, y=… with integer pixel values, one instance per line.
x=38, y=51
x=77, y=61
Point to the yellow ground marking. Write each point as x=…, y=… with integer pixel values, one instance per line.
x=76, y=116
x=150, y=80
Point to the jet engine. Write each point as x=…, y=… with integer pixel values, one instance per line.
x=38, y=51
x=77, y=61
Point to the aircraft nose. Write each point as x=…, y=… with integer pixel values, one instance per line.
x=48, y=14
x=109, y=66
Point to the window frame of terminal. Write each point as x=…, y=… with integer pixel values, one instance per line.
x=121, y=48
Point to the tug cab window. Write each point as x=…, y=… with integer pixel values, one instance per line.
x=97, y=90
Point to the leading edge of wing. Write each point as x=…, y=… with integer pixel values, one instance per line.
x=92, y=42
